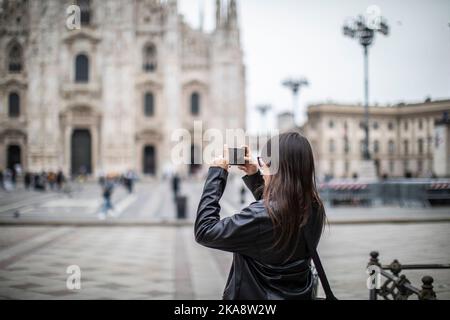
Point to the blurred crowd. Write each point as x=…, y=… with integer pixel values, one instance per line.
x=41, y=181
x=13, y=178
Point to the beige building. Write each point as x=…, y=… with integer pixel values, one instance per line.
x=402, y=138
x=107, y=97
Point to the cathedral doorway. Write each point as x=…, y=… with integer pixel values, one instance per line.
x=81, y=151
x=14, y=156
x=149, y=160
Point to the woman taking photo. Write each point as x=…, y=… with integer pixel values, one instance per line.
x=270, y=238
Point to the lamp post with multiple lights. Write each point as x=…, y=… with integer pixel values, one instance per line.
x=294, y=85
x=364, y=31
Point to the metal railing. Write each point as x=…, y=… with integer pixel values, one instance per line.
x=412, y=193
x=396, y=286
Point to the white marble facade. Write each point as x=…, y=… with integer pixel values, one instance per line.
x=106, y=97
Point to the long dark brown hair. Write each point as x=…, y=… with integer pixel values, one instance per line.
x=291, y=192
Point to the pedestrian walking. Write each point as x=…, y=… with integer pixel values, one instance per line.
x=13, y=177
x=39, y=181
x=128, y=180
x=60, y=178
x=7, y=180
x=27, y=180
x=108, y=188
x=51, y=178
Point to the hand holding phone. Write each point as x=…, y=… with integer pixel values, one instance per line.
x=236, y=156
x=249, y=167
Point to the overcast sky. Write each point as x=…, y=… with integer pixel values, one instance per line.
x=284, y=38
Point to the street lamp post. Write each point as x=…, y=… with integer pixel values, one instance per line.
x=263, y=109
x=294, y=85
x=364, y=32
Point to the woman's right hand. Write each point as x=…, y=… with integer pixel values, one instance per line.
x=250, y=168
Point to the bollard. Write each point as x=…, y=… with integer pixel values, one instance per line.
x=427, y=292
x=181, y=204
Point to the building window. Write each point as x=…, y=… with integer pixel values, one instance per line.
x=390, y=126
x=331, y=124
x=346, y=167
x=376, y=146
x=391, y=167
x=15, y=58
x=406, y=166
x=346, y=146
x=419, y=166
x=331, y=168
x=420, y=124
x=81, y=68
x=149, y=104
x=13, y=105
x=375, y=125
x=391, y=147
x=85, y=12
x=362, y=125
x=405, y=125
x=331, y=146
x=149, y=58
x=420, y=146
x=195, y=104
x=406, y=147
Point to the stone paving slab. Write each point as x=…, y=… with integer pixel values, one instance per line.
x=166, y=263
x=153, y=203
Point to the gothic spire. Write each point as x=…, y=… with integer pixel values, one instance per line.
x=218, y=13
x=232, y=13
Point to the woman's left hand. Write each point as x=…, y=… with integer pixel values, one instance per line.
x=222, y=162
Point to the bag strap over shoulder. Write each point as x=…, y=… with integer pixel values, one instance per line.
x=318, y=264
x=322, y=276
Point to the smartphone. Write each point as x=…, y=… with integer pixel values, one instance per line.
x=236, y=156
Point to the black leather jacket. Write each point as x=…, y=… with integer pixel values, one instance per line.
x=258, y=270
